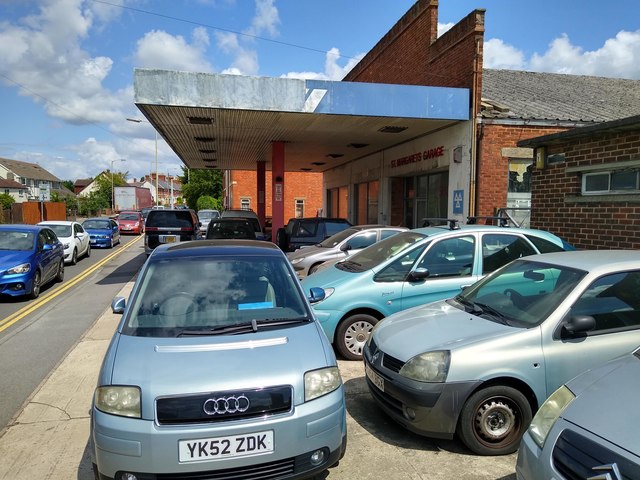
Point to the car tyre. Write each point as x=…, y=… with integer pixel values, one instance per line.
x=35, y=286
x=493, y=420
x=111, y=242
x=60, y=274
x=352, y=334
x=281, y=239
x=88, y=253
x=74, y=256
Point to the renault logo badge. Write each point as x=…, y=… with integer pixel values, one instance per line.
x=606, y=472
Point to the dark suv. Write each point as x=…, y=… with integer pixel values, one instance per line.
x=301, y=232
x=170, y=226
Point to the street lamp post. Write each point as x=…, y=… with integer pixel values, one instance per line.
x=113, y=202
x=137, y=120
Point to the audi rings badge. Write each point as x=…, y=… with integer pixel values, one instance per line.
x=224, y=405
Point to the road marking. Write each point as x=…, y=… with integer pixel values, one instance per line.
x=27, y=309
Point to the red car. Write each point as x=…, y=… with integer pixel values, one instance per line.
x=131, y=222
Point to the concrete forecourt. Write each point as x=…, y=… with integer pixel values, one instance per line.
x=48, y=438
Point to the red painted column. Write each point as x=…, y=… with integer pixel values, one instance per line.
x=260, y=185
x=277, y=194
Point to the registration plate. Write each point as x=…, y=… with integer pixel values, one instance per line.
x=168, y=238
x=376, y=379
x=226, y=447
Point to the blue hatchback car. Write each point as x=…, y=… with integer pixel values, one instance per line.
x=30, y=257
x=413, y=268
x=103, y=232
x=218, y=369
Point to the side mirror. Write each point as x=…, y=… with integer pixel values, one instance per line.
x=316, y=294
x=418, y=274
x=345, y=247
x=579, y=324
x=46, y=247
x=118, y=304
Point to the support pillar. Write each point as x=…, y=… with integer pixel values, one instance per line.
x=260, y=185
x=277, y=194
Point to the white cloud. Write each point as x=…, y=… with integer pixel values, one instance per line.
x=159, y=49
x=332, y=70
x=266, y=19
x=498, y=54
x=618, y=57
x=444, y=27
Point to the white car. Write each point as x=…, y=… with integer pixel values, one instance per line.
x=73, y=237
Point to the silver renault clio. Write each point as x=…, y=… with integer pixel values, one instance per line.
x=218, y=369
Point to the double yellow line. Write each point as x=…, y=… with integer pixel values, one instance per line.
x=33, y=306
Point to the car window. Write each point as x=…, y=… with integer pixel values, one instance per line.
x=523, y=293
x=613, y=301
x=449, y=257
x=499, y=249
x=398, y=270
x=169, y=218
x=50, y=237
x=230, y=229
x=335, y=227
x=128, y=216
x=61, y=230
x=17, y=241
x=363, y=240
x=77, y=228
x=379, y=252
x=205, y=293
x=103, y=224
x=306, y=228
x=388, y=233
x=546, y=246
x=337, y=238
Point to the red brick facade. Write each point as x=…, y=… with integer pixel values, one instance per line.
x=587, y=222
x=493, y=168
x=305, y=186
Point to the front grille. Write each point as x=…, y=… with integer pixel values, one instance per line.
x=392, y=363
x=264, y=471
x=575, y=457
x=224, y=406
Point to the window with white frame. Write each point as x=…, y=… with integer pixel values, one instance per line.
x=299, y=208
x=617, y=181
x=245, y=203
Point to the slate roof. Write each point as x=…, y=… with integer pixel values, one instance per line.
x=28, y=170
x=513, y=94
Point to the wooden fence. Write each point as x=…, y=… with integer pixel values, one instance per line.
x=33, y=212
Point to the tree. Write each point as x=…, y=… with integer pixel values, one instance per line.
x=6, y=201
x=208, y=203
x=201, y=183
x=69, y=185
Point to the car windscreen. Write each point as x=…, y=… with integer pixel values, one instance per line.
x=128, y=216
x=379, y=252
x=210, y=295
x=339, y=237
x=204, y=215
x=100, y=224
x=16, y=240
x=61, y=230
x=523, y=293
x=169, y=218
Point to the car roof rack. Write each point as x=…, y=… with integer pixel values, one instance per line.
x=500, y=221
x=434, y=222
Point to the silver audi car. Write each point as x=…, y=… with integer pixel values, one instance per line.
x=218, y=369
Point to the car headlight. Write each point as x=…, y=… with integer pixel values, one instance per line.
x=549, y=412
x=22, y=268
x=118, y=400
x=328, y=292
x=66, y=245
x=295, y=261
x=321, y=382
x=429, y=367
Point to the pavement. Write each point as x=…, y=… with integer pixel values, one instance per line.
x=48, y=438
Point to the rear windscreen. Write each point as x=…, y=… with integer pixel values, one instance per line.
x=169, y=218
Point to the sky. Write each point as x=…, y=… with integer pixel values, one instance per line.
x=66, y=66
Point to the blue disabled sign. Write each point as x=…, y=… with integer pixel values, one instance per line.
x=458, y=199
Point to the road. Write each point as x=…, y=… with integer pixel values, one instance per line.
x=36, y=334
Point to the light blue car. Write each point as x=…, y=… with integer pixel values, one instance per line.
x=218, y=369
x=413, y=268
x=480, y=364
x=588, y=428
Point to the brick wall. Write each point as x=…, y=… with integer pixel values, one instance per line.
x=493, y=168
x=598, y=224
x=297, y=185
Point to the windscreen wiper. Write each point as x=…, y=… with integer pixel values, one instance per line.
x=489, y=310
x=246, y=327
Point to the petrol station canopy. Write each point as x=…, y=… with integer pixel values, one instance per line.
x=229, y=122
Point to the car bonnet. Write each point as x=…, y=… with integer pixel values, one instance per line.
x=434, y=326
x=10, y=258
x=606, y=399
x=334, y=277
x=197, y=364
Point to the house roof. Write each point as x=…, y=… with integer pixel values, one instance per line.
x=82, y=182
x=621, y=125
x=4, y=183
x=512, y=94
x=28, y=170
